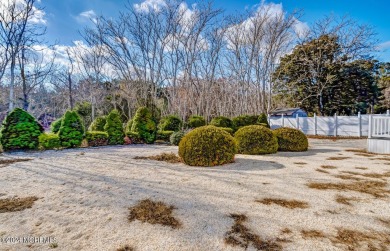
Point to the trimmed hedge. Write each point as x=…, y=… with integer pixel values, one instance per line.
x=72, y=130
x=170, y=123
x=144, y=125
x=175, y=138
x=291, y=140
x=222, y=121
x=263, y=120
x=164, y=135
x=114, y=128
x=207, y=146
x=20, y=130
x=256, y=139
x=55, y=125
x=244, y=120
x=97, y=138
x=228, y=130
x=49, y=141
x=196, y=121
x=98, y=124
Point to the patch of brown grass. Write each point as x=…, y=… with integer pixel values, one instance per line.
x=347, y=177
x=356, y=150
x=6, y=162
x=365, y=154
x=286, y=231
x=353, y=239
x=291, y=204
x=374, y=188
x=384, y=221
x=321, y=170
x=370, y=175
x=328, y=167
x=125, y=248
x=344, y=200
x=167, y=157
x=312, y=234
x=300, y=163
x=16, y=204
x=240, y=235
x=361, y=168
x=154, y=213
x=385, y=159
x=338, y=158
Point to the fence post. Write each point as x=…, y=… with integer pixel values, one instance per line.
x=315, y=124
x=360, y=124
x=388, y=112
x=369, y=126
x=297, y=120
x=335, y=124
x=269, y=119
x=282, y=120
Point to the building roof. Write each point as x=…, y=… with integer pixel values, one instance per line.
x=285, y=111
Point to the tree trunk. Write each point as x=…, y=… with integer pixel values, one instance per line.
x=11, y=85
x=70, y=91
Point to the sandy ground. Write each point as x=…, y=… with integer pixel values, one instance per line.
x=84, y=196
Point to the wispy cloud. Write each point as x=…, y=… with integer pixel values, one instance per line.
x=384, y=45
x=150, y=5
x=85, y=16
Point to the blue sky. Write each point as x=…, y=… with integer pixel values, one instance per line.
x=64, y=18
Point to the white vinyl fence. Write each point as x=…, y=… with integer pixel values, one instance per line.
x=379, y=127
x=352, y=126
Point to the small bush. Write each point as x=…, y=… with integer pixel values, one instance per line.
x=144, y=125
x=256, y=139
x=222, y=121
x=55, y=126
x=164, y=135
x=244, y=120
x=170, y=123
x=207, y=146
x=263, y=120
x=72, y=130
x=175, y=138
x=129, y=125
x=196, y=121
x=135, y=138
x=49, y=141
x=96, y=138
x=98, y=124
x=291, y=140
x=20, y=130
x=227, y=129
x=114, y=128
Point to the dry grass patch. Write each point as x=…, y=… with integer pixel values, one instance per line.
x=6, y=162
x=347, y=177
x=361, y=168
x=374, y=188
x=125, y=248
x=345, y=200
x=167, y=157
x=154, y=213
x=338, y=158
x=312, y=234
x=321, y=170
x=385, y=158
x=353, y=239
x=16, y=204
x=291, y=204
x=300, y=163
x=370, y=175
x=328, y=167
x=286, y=231
x=240, y=235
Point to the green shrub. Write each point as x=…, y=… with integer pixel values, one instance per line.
x=256, y=139
x=196, y=121
x=72, y=130
x=114, y=128
x=244, y=120
x=263, y=120
x=97, y=138
x=20, y=130
x=170, y=123
x=49, y=141
x=84, y=110
x=227, y=129
x=55, y=126
x=129, y=125
x=291, y=140
x=144, y=125
x=98, y=124
x=207, y=146
x=135, y=138
x=164, y=135
x=222, y=121
x=176, y=137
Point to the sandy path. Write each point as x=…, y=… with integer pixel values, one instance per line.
x=85, y=194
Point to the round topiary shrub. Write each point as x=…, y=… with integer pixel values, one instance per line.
x=20, y=130
x=114, y=128
x=96, y=138
x=263, y=120
x=196, y=121
x=144, y=125
x=49, y=141
x=98, y=124
x=207, y=146
x=291, y=140
x=256, y=139
x=55, y=126
x=175, y=137
x=170, y=123
x=222, y=121
x=72, y=130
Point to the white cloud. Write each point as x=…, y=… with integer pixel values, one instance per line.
x=88, y=15
x=150, y=5
x=384, y=45
x=38, y=16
